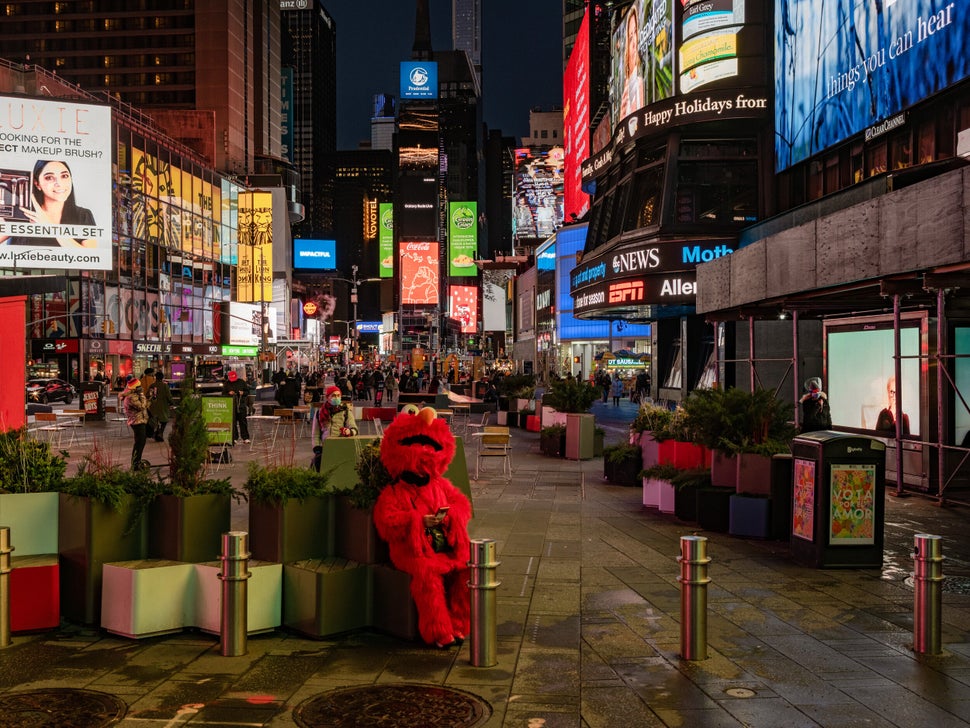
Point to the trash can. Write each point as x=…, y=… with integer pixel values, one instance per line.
x=838, y=500
x=92, y=400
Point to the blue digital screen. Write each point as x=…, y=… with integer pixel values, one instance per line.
x=314, y=254
x=842, y=66
x=369, y=327
x=419, y=80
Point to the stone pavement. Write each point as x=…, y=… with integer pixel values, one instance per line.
x=588, y=629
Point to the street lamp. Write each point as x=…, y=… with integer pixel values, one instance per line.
x=354, y=281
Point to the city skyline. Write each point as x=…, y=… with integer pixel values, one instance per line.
x=364, y=70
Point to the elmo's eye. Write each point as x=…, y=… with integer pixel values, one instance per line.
x=410, y=409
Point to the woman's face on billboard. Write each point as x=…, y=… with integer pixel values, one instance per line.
x=54, y=181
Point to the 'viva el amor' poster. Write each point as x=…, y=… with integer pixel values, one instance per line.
x=852, y=518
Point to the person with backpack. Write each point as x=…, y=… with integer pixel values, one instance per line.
x=335, y=418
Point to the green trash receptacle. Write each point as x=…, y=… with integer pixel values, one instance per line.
x=838, y=500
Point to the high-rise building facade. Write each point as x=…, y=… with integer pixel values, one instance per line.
x=466, y=31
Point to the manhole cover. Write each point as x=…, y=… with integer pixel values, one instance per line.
x=393, y=706
x=60, y=708
x=951, y=584
x=740, y=692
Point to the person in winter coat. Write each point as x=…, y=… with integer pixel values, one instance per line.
x=814, y=404
x=616, y=389
x=334, y=418
x=160, y=403
x=136, y=413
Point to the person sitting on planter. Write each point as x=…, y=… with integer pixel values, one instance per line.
x=334, y=418
x=814, y=404
x=424, y=519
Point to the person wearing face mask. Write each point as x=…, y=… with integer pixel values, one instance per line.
x=335, y=418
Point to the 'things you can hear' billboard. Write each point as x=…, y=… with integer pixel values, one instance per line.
x=842, y=66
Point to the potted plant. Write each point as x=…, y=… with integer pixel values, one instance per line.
x=658, y=490
x=686, y=484
x=599, y=438
x=622, y=464
x=291, y=513
x=356, y=536
x=552, y=440
x=574, y=398
x=192, y=511
x=100, y=521
x=675, y=442
x=650, y=418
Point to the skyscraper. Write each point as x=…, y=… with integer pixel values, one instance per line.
x=466, y=31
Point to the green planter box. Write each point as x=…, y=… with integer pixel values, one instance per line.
x=295, y=531
x=264, y=597
x=89, y=536
x=393, y=608
x=32, y=519
x=323, y=597
x=356, y=536
x=147, y=597
x=188, y=529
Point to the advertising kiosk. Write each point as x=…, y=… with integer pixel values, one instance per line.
x=838, y=506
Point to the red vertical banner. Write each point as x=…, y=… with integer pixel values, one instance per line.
x=13, y=359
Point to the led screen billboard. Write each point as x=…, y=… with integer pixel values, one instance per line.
x=708, y=49
x=55, y=185
x=463, y=307
x=419, y=273
x=538, y=204
x=861, y=376
x=419, y=80
x=845, y=65
x=643, y=59
x=575, y=121
x=314, y=254
x=385, y=239
x=462, y=238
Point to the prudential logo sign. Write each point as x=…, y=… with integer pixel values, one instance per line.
x=419, y=80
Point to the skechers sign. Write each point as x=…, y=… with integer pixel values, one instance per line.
x=314, y=254
x=419, y=80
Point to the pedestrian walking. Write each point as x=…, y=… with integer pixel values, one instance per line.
x=616, y=389
x=136, y=414
x=160, y=403
x=238, y=389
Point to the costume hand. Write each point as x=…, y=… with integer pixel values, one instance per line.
x=344, y=432
x=432, y=520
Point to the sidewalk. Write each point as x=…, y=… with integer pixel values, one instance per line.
x=588, y=629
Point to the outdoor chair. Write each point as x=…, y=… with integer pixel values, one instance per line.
x=494, y=442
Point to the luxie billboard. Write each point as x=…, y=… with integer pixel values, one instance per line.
x=844, y=66
x=55, y=185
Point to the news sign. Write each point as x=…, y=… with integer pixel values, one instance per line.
x=55, y=185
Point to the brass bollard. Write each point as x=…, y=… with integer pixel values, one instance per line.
x=483, y=638
x=693, y=597
x=233, y=619
x=927, y=594
x=5, y=569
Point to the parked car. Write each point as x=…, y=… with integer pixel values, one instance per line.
x=50, y=390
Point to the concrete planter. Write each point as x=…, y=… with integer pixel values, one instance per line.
x=624, y=472
x=685, y=503
x=188, y=529
x=714, y=508
x=682, y=455
x=356, y=536
x=89, y=536
x=147, y=597
x=264, y=597
x=294, y=531
x=754, y=474
x=668, y=497
x=651, y=492
x=650, y=449
x=32, y=518
x=750, y=516
x=35, y=593
x=393, y=608
x=724, y=470
x=322, y=597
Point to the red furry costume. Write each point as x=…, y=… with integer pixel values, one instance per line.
x=416, y=451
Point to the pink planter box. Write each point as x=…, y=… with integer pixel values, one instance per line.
x=724, y=471
x=754, y=474
x=650, y=450
x=651, y=492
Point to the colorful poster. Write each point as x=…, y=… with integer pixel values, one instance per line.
x=462, y=238
x=419, y=273
x=803, y=500
x=463, y=307
x=254, y=275
x=385, y=239
x=852, y=520
x=217, y=415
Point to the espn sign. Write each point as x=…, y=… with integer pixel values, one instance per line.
x=625, y=291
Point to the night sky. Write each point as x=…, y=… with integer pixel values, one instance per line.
x=374, y=36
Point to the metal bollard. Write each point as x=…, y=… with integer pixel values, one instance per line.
x=233, y=620
x=927, y=593
x=5, y=569
x=693, y=597
x=483, y=639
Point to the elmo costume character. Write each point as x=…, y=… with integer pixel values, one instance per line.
x=424, y=519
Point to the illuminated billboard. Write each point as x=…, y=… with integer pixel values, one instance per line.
x=462, y=238
x=419, y=273
x=55, y=185
x=575, y=117
x=841, y=67
x=254, y=275
x=708, y=49
x=463, y=307
x=643, y=59
x=314, y=254
x=538, y=201
x=419, y=80
x=385, y=239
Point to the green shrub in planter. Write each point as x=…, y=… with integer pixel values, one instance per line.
x=552, y=440
x=571, y=396
x=661, y=471
x=280, y=484
x=651, y=418
x=28, y=465
x=686, y=484
x=622, y=464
